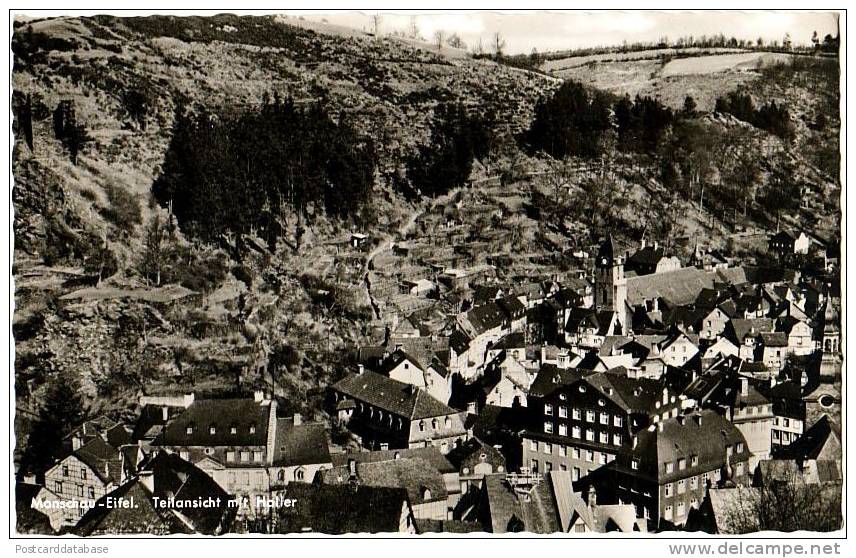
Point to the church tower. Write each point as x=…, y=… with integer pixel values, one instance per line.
x=610, y=285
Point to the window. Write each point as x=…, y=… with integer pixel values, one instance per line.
x=668, y=514
x=616, y=439
x=91, y=492
x=739, y=447
x=212, y=429
x=435, y=424
x=230, y=456
x=634, y=464
x=576, y=432
x=604, y=437
x=534, y=466
x=589, y=416
x=421, y=426
x=257, y=456
x=447, y=423
x=563, y=412
x=693, y=483
x=300, y=474
x=682, y=486
x=694, y=503
x=533, y=445
x=65, y=470
x=738, y=469
x=668, y=490
x=548, y=409
x=682, y=464
x=670, y=467
x=617, y=421
x=589, y=434
x=601, y=458
x=681, y=509
x=80, y=491
x=577, y=414
x=548, y=466
x=548, y=427
x=563, y=451
x=83, y=474
x=189, y=429
x=252, y=429
x=575, y=474
x=233, y=429
x=245, y=455
x=604, y=418
x=563, y=396
x=786, y=422
x=694, y=461
x=590, y=456
x=548, y=448
x=58, y=487
x=575, y=452
x=563, y=430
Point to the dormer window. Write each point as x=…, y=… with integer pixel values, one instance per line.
x=189, y=429
x=212, y=429
x=233, y=429
x=421, y=426
x=252, y=429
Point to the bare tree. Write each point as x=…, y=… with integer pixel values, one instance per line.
x=455, y=41
x=785, y=504
x=439, y=39
x=498, y=44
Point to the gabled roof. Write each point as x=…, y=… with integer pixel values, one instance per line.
x=170, y=477
x=679, y=287
x=104, y=460
x=393, y=396
x=820, y=442
x=422, y=482
x=341, y=509
x=703, y=434
x=299, y=444
x=459, y=341
x=485, y=317
x=248, y=416
x=430, y=455
x=569, y=504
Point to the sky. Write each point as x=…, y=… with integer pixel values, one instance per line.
x=552, y=30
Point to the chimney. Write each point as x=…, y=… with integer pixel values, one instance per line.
x=744, y=386
x=298, y=419
x=592, y=497
x=360, y=369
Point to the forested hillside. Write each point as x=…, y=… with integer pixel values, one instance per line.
x=185, y=188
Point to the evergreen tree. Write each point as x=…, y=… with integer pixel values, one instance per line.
x=61, y=411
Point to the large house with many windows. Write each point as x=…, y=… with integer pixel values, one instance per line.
x=579, y=420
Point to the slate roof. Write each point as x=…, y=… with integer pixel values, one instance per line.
x=678, y=440
x=423, y=483
x=821, y=441
x=536, y=510
x=679, y=287
x=171, y=477
x=358, y=509
x=459, y=341
x=223, y=414
x=742, y=328
x=774, y=338
x=430, y=455
x=104, y=460
x=301, y=444
x=485, y=317
x=392, y=396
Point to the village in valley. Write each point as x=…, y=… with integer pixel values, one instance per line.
x=483, y=359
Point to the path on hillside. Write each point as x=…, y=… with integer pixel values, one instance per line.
x=405, y=227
